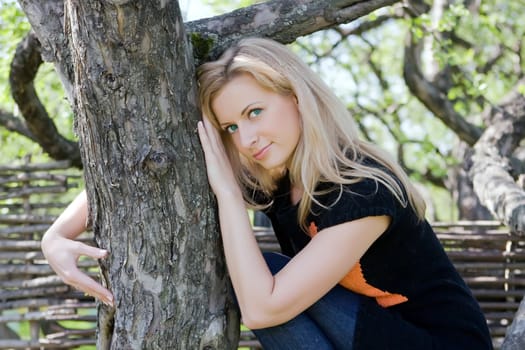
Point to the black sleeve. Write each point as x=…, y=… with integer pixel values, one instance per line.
x=356, y=201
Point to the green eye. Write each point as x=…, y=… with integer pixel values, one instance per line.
x=231, y=128
x=255, y=112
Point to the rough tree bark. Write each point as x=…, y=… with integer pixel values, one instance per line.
x=491, y=173
x=128, y=70
x=136, y=116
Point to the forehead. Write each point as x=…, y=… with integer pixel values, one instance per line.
x=236, y=94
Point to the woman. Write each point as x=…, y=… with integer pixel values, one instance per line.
x=362, y=268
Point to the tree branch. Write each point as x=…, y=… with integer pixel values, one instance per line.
x=281, y=20
x=24, y=68
x=433, y=98
x=12, y=123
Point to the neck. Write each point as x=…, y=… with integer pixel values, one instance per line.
x=296, y=193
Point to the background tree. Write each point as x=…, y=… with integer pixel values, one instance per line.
x=438, y=83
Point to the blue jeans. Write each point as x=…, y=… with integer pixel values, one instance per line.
x=327, y=324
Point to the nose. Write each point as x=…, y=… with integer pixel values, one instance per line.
x=247, y=134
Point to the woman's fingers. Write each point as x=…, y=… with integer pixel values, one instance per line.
x=203, y=136
x=63, y=254
x=81, y=281
x=213, y=134
x=209, y=143
x=89, y=286
x=92, y=252
x=218, y=166
x=85, y=283
x=206, y=135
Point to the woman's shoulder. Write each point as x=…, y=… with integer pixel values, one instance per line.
x=365, y=193
x=368, y=179
x=359, y=192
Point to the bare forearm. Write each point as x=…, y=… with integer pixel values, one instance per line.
x=251, y=278
x=62, y=251
x=72, y=221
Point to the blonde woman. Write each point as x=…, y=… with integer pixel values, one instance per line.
x=361, y=268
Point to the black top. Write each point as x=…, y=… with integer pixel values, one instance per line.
x=438, y=310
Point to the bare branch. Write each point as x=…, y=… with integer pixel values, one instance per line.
x=282, y=20
x=24, y=68
x=12, y=123
x=433, y=98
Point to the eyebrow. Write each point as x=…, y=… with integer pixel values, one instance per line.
x=248, y=106
x=242, y=112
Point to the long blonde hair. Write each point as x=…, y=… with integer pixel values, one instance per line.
x=329, y=150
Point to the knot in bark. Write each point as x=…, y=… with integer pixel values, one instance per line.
x=157, y=161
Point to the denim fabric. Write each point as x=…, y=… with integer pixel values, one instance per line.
x=327, y=324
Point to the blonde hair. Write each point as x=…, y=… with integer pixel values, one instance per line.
x=329, y=149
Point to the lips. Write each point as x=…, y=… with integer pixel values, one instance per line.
x=261, y=153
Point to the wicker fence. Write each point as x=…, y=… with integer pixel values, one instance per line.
x=37, y=311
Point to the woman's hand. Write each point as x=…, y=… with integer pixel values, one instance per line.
x=62, y=255
x=218, y=166
x=62, y=251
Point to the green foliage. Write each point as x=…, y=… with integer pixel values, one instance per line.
x=13, y=28
x=491, y=32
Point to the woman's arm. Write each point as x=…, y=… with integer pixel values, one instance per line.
x=267, y=300
x=62, y=251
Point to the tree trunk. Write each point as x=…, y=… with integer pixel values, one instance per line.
x=460, y=184
x=135, y=102
x=514, y=338
x=491, y=171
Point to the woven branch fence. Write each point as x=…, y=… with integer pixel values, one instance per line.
x=38, y=311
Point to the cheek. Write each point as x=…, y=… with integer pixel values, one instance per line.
x=235, y=141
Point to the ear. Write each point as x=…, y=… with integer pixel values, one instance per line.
x=296, y=99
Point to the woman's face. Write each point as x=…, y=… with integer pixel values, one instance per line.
x=264, y=126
